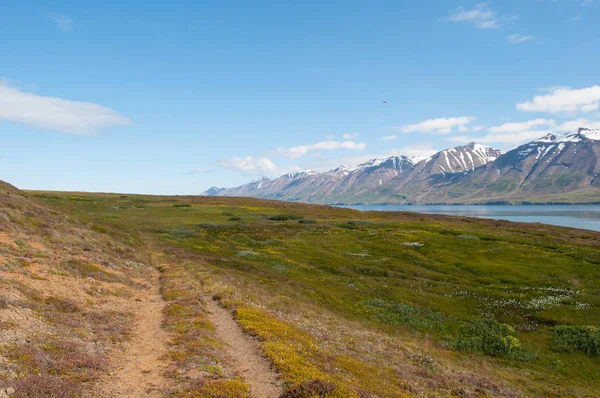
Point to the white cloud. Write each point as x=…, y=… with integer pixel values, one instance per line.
x=564, y=99
x=516, y=127
x=389, y=138
x=425, y=149
x=572, y=125
x=516, y=38
x=512, y=138
x=63, y=22
x=249, y=163
x=350, y=136
x=440, y=126
x=515, y=133
x=481, y=16
x=576, y=18
x=301, y=150
x=56, y=114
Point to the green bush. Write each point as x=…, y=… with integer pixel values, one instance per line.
x=492, y=338
x=285, y=217
x=235, y=218
x=307, y=221
x=182, y=205
x=179, y=233
x=576, y=338
x=402, y=314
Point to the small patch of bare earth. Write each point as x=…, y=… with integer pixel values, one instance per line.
x=7, y=240
x=245, y=353
x=137, y=369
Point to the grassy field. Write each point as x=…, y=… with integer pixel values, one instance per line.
x=377, y=304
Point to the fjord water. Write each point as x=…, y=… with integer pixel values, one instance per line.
x=574, y=216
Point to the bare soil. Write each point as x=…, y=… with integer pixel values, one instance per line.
x=245, y=353
x=138, y=368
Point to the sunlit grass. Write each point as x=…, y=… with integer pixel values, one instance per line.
x=425, y=278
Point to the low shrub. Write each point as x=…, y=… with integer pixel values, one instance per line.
x=355, y=224
x=44, y=385
x=285, y=217
x=61, y=305
x=402, y=314
x=576, y=338
x=216, y=389
x=488, y=337
x=179, y=233
x=235, y=218
x=307, y=221
x=84, y=269
x=310, y=388
x=182, y=205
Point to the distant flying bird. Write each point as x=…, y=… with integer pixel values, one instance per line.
x=385, y=102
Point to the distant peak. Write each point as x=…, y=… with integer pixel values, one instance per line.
x=213, y=191
x=301, y=173
x=592, y=134
x=547, y=138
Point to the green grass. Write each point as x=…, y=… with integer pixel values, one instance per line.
x=460, y=286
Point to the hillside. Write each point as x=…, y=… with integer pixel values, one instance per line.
x=550, y=169
x=70, y=293
x=349, y=304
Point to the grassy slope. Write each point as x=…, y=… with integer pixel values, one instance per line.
x=66, y=299
x=351, y=301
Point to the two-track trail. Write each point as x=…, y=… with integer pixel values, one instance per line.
x=138, y=368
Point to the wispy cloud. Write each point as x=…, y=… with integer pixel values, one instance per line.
x=440, y=126
x=515, y=133
x=576, y=18
x=56, y=114
x=249, y=163
x=564, y=99
x=301, y=150
x=515, y=127
x=389, y=137
x=63, y=22
x=481, y=16
x=517, y=38
x=350, y=136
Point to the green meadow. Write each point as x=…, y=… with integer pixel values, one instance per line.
x=382, y=304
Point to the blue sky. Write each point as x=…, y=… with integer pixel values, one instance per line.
x=173, y=97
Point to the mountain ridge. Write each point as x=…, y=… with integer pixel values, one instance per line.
x=552, y=168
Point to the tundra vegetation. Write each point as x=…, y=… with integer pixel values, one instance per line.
x=351, y=304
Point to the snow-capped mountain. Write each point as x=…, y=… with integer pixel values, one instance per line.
x=213, y=191
x=551, y=167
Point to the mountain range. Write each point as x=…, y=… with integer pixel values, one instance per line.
x=552, y=169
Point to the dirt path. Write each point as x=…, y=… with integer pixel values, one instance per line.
x=138, y=369
x=245, y=353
